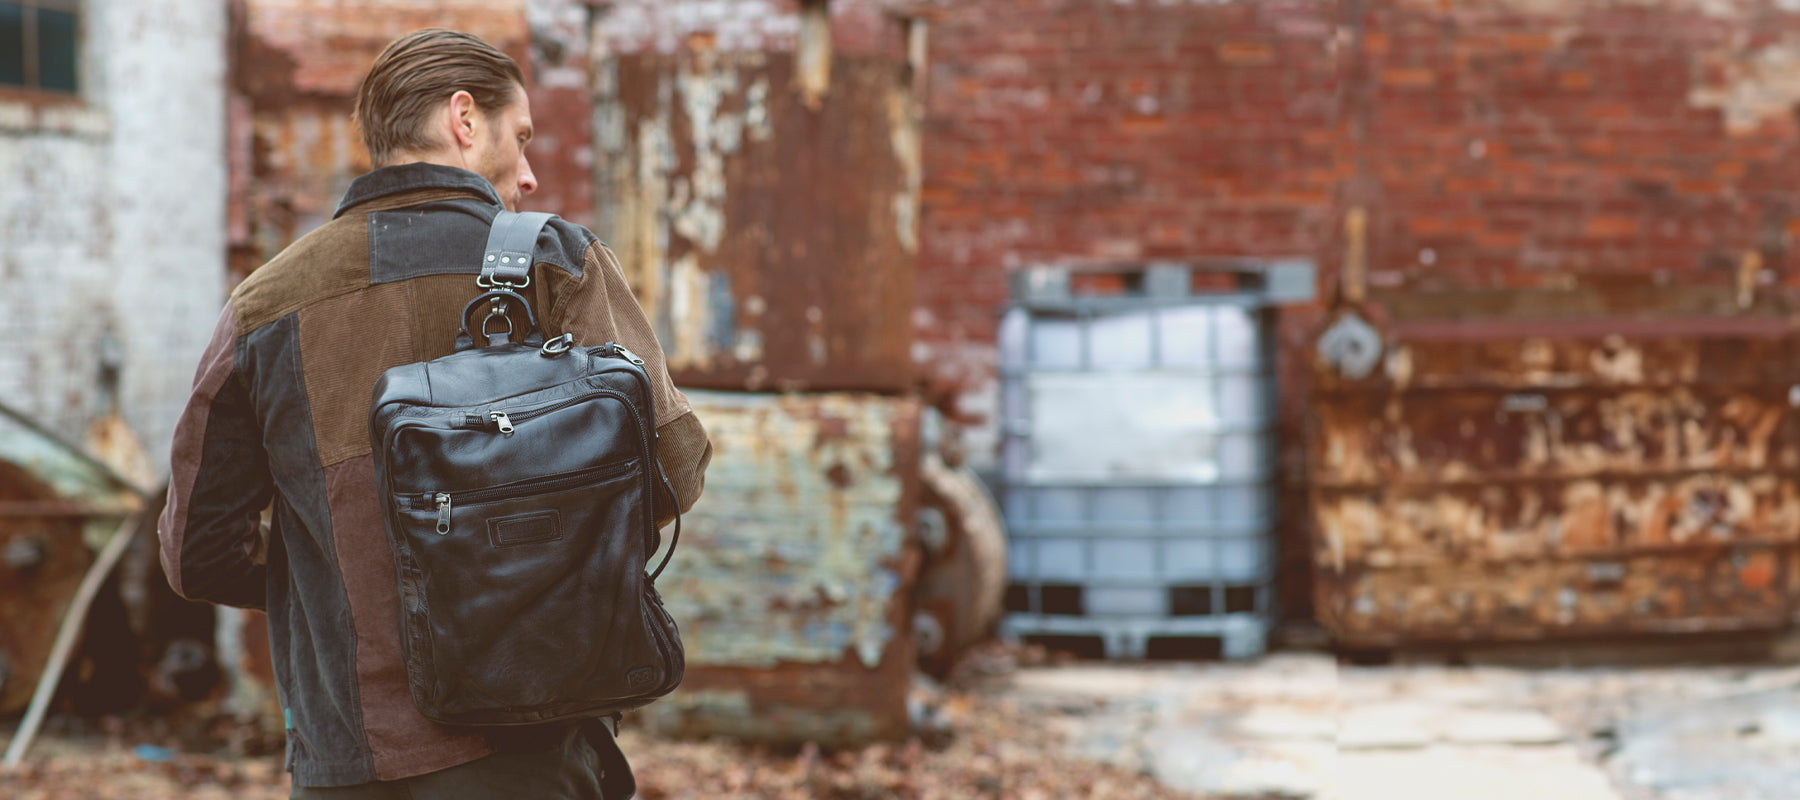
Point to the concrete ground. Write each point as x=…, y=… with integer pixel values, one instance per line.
x=1299, y=725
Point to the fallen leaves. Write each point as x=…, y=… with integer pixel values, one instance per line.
x=987, y=746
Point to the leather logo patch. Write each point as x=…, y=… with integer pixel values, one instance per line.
x=537, y=526
x=640, y=676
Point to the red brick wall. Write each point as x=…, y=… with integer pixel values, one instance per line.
x=1495, y=145
x=858, y=27
x=1514, y=149
x=1068, y=130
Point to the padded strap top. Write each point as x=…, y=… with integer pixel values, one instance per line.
x=510, y=246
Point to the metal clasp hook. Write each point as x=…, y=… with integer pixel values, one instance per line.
x=497, y=308
x=557, y=346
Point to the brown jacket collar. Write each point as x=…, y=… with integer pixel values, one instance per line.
x=418, y=176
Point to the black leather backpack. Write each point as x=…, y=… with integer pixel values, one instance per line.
x=519, y=479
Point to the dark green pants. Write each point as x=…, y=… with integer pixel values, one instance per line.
x=562, y=768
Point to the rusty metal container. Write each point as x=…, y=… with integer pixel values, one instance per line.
x=793, y=580
x=1507, y=478
x=772, y=237
x=57, y=507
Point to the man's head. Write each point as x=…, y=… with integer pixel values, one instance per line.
x=446, y=97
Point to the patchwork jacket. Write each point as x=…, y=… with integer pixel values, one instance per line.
x=279, y=421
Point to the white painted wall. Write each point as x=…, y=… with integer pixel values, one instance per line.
x=112, y=218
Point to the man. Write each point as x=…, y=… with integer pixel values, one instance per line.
x=280, y=410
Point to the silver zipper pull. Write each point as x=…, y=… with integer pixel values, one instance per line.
x=505, y=424
x=628, y=355
x=443, y=501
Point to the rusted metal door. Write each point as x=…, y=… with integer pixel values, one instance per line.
x=1511, y=479
x=771, y=237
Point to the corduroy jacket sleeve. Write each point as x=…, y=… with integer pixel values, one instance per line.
x=601, y=307
x=219, y=483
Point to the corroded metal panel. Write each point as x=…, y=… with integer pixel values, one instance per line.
x=57, y=506
x=1514, y=479
x=42, y=561
x=774, y=242
x=793, y=580
x=1698, y=590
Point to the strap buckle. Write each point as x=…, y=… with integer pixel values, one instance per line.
x=484, y=281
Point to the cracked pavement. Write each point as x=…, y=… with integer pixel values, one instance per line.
x=1300, y=725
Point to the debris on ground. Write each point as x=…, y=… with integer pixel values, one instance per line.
x=979, y=744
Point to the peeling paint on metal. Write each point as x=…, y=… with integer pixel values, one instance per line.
x=756, y=111
x=722, y=333
x=903, y=127
x=725, y=190
x=699, y=215
x=794, y=584
x=1470, y=489
x=815, y=335
x=796, y=552
x=813, y=57
x=749, y=345
x=689, y=308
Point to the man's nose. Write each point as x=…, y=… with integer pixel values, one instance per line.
x=527, y=181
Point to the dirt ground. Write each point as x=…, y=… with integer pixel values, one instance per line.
x=996, y=759
x=986, y=746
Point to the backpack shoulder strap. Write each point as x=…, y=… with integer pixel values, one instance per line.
x=505, y=270
x=512, y=241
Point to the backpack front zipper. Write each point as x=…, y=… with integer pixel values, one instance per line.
x=555, y=483
x=503, y=421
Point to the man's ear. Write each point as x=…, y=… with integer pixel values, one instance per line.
x=463, y=119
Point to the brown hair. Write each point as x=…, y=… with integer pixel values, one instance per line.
x=415, y=75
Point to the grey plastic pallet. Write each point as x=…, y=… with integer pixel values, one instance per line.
x=1240, y=636
x=1256, y=282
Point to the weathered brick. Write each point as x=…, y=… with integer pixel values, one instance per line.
x=1611, y=227
x=1243, y=54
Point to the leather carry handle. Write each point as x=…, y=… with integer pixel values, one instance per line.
x=500, y=303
